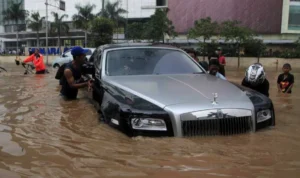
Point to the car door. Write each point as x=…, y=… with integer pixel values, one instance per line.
x=98, y=91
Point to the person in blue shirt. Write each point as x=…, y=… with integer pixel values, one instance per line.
x=213, y=69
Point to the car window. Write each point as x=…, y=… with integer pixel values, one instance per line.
x=92, y=58
x=68, y=54
x=89, y=52
x=149, y=61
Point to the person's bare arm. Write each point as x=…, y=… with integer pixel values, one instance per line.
x=278, y=86
x=289, y=89
x=70, y=79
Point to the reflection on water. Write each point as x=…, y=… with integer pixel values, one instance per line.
x=42, y=135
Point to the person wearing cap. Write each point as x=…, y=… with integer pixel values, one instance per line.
x=71, y=80
x=38, y=61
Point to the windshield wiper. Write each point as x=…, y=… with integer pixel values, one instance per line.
x=198, y=72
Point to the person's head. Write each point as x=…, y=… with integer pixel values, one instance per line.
x=36, y=51
x=214, y=66
x=255, y=74
x=79, y=54
x=219, y=51
x=192, y=53
x=286, y=68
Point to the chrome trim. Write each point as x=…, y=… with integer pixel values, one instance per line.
x=213, y=114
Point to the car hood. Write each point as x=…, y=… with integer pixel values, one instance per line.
x=195, y=90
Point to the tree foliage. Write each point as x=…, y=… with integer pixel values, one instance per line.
x=135, y=31
x=102, y=31
x=84, y=16
x=233, y=32
x=59, y=26
x=113, y=12
x=158, y=26
x=254, y=47
x=36, y=24
x=15, y=12
x=204, y=28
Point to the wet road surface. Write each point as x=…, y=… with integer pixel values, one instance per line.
x=42, y=135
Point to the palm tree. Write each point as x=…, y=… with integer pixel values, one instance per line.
x=15, y=12
x=36, y=23
x=113, y=12
x=59, y=26
x=83, y=18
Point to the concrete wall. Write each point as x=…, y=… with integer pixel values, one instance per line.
x=271, y=64
x=11, y=59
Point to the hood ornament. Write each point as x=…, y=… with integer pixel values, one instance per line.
x=214, y=102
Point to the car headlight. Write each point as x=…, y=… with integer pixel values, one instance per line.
x=152, y=124
x=264, y=115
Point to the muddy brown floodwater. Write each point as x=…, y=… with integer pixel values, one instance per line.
x=42, y=135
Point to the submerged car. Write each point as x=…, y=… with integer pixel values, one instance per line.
x=147, y=89
x=67, y=57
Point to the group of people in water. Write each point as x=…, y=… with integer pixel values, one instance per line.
x=255, y=76
x=71, y=73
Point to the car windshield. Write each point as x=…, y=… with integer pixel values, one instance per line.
x=149, y=61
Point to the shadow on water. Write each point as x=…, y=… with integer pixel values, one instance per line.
x=41, y=135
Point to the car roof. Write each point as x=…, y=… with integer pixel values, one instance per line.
x=125, y=45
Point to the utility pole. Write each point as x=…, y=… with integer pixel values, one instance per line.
x=47, y=32
x=62, y=6
x=102, y=11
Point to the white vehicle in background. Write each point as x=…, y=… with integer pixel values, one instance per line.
x=67, y=57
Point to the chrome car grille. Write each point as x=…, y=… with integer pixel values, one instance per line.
x=209, y=127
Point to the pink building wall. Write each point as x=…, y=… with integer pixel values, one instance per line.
x=262, y=16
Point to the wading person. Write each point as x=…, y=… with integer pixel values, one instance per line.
x=213, y=69
x=285, y=81
x=222, y=62
x=38, y=61
x=71, y=80
x=255, y=78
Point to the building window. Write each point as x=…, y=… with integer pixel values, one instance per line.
x=161, y=2
x=294, y=17
x=67, y=43
x=78, y=43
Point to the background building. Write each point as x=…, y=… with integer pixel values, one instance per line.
x=275, y=21
x=138, y=10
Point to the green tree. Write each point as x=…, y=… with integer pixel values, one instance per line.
x=255, y=47
x=83, y=18
x=36, y=23
x=59, y=26
x=16, y=13
x=158, y=26
x=102, y=31
x=135, y=31
x=204, y=28
x=233, y=32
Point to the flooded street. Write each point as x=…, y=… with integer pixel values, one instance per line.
x=41, y=135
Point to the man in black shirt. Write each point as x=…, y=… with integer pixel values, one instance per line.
x=285, y=81
x=71, y=80
x=256, y=79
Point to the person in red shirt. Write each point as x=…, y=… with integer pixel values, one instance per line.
x=222, y=62
x=38, y=60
